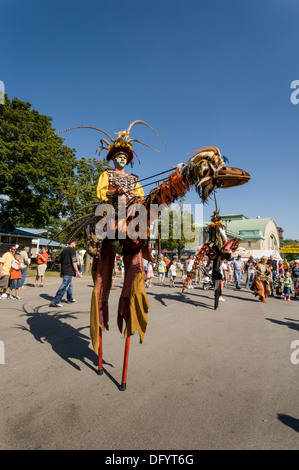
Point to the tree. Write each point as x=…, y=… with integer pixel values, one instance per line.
x=84, y=190
x=181, y=228
x=88, y=171
x=37, y=171
x=41, y=181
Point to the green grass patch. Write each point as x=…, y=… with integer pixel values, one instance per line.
x=31, y=272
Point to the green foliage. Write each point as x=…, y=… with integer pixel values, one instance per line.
x=40, y=178
x=36, y=169
x=181, y=229
x=84, y=190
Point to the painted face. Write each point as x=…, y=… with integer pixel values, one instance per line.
x=120, y=160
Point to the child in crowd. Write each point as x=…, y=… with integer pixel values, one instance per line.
x=278, y=287
x=15, y=277
x=287, y=282
x=172, y=274
x=149, y=275
x=161, y=270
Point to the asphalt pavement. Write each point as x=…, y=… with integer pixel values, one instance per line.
x=202, y=379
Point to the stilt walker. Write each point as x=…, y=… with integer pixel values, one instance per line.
x=218, y=248
x=119, y=191
x=116, y=187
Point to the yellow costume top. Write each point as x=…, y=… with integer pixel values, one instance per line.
x=111, y=178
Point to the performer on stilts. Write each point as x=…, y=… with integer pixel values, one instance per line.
x=218, y=248
x=115, y=186
x=205, y=170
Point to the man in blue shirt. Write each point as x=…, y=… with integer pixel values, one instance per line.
x=238, y=267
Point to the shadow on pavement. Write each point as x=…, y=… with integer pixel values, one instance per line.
x=46, y=297
x=225, y=295
x=66, y=341
x=179, y=297
x=290, y=323
x=289, y=421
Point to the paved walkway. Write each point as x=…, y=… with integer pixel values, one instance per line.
x=202, y=379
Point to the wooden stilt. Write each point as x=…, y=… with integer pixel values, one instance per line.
x=123, y=385
x=100, y=367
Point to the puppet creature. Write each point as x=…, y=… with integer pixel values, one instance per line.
x=121, y=192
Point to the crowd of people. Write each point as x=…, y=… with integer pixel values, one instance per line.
x=15, y=262
x=267, y=276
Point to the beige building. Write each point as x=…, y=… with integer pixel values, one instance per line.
x=257, y=237
x=255, y=234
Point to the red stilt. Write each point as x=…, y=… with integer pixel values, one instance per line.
x=123, y=385
x=100, y=368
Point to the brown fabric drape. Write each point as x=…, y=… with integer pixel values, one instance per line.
x=261, y=288
x=133, y=303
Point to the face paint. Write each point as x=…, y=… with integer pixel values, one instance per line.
x=120, y=160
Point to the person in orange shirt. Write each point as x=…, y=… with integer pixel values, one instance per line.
x=5, y=269
x=15, y=277
x=42, y=259
x=167, y=263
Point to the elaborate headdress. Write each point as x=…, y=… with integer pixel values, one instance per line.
x=122, y=144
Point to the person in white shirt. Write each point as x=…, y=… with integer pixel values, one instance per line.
x=172, y=274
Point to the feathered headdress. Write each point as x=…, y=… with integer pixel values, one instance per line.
x=122, y=143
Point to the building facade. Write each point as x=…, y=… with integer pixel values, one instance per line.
x=257, y=237
x=255, y=234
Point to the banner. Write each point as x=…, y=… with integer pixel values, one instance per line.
x=242, y=252
x=289, y=249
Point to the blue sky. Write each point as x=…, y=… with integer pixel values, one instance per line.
x=202, y=73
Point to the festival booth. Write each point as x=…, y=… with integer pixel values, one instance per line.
x=256, y=254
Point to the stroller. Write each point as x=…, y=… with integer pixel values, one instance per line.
x=207, y=281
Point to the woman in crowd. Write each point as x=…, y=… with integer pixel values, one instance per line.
x=261, y=286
